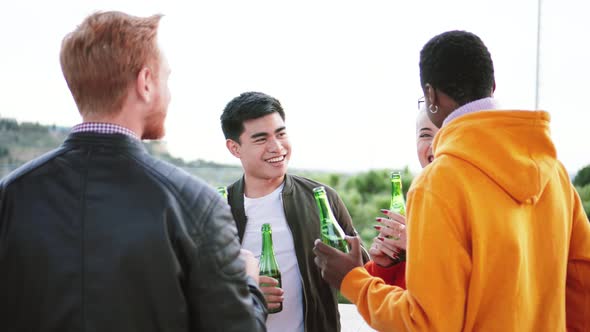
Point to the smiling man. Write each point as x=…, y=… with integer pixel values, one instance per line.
x=254, y=127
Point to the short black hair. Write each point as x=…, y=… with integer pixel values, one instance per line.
x=459, y=64
x=247, y=106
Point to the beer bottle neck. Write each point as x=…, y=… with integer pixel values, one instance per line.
x=267, y=243
x=324, y=207
x=396, y=188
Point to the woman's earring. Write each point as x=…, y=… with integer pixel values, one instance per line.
x=430, y=108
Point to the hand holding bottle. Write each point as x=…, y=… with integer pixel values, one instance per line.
x=391, y=239
x=392, y=233
x=270, y=275
x=273, y=294
x=335, y=264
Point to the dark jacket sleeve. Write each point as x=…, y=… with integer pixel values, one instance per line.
x=345, y=221
x=223, y=297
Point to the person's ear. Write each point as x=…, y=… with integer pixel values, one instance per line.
x=143, y=84
x=233, y=147
x=430, y=94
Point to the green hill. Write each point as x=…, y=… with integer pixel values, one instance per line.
x=21, y=142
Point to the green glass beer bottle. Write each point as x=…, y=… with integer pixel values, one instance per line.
x=397, y=205
x=331, y=233
x=268, y=262
x=222, y=190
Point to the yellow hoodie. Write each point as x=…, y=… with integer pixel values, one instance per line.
x=497, y=237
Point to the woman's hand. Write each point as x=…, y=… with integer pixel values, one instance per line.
x=391, y=238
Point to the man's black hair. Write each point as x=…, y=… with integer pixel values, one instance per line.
x=247, y=106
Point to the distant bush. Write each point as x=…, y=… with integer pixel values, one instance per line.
x=584, y=193
x=8, y=124
x=4, y=152
x=33, y=127
x=583, y=177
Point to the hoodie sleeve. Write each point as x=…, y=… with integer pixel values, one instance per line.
x=578, y=271
x=437, y=275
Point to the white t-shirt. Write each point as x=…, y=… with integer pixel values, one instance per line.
x=269, y=209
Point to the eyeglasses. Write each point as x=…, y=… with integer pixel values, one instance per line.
x=420, y=101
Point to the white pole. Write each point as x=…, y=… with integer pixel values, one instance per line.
x=538, y=72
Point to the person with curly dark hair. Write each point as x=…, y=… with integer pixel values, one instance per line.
x=497, y=236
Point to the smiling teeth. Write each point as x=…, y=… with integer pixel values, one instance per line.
x=277, y=159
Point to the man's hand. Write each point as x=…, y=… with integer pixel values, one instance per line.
x=252, y=268
x=334, y=264
x=272, y=293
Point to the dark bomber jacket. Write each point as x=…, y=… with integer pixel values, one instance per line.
x=100, y=236
x=321, y=305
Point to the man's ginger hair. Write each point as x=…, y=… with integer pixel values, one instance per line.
x=102, y=57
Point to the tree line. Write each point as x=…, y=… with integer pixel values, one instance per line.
x=364, y=193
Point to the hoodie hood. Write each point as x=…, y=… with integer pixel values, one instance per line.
x=513, y=148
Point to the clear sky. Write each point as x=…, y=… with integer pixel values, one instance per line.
x=346, y=72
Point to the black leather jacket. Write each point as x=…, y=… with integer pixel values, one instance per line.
x=100, y=236
x=320, y=300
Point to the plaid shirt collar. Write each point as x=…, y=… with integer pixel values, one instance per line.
x=103, y=128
